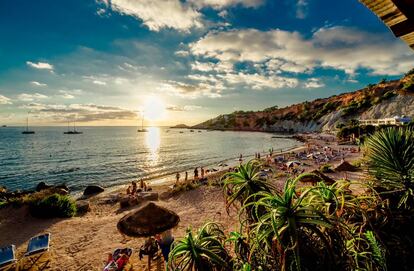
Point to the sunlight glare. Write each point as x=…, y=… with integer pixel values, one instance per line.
x=152, y=142
x=154, y=108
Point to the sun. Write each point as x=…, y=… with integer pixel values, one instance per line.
x=154, y=108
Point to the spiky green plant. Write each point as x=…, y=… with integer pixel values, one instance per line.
x=241, y=185
x=390, y=154
x=201, y=251
x=286, y=215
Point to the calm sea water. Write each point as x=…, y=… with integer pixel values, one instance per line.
x=115, y=155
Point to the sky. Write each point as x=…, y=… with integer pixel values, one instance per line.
x=110, y=62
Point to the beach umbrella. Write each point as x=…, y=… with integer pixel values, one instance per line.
x=293, y=163
x=148, y=221
x=311, y=156
x=345, y=166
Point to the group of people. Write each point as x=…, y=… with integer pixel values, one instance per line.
x=197, y=175
x=133, y=189
x=119, y=259
x=161, y=242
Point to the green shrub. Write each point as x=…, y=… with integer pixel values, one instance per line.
x=54, y=205
x=409, y=86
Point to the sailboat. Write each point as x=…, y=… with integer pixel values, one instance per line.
x=72, y=132
x=142, y=130
x=27, y=131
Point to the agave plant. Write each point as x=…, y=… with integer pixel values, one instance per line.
x=242, y=185
x=365, y=251
x=286, y=216
x=241, y=250
x=201, y=251
x=390, y=154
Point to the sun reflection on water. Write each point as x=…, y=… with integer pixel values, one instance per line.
x=152, y=142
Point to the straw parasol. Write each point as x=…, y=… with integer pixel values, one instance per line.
x=147, y=221
x=326, y=179
x=345, y=166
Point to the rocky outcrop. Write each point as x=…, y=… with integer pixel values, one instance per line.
x=91, y=190
x=82, y=207
x=383, y=100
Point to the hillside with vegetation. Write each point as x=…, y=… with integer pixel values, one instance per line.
x=382, y=100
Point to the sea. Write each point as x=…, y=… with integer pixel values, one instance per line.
x=112, y=156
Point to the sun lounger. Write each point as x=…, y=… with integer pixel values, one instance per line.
x=127, y=251
x=36, y=248
x=38, y=244
x=7, y=256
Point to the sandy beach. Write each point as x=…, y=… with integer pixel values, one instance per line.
x=82, y=243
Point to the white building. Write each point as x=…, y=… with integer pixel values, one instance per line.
x=386, y=121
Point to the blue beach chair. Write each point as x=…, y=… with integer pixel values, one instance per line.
x=7, y=257
x=36, y=248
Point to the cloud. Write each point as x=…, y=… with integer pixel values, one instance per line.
x=192, y=91
x=314, y=83
x=69, y=94
x=258, y=82
x=182, y=53
x=220, y=4
x=5, y=100
x=301, y=9
x=158, y=14
x=40, y=65
x=82, y=112
x=38, y=84
x=184, y=108
x=31, y=97
x=98, y=82
x=340, y=48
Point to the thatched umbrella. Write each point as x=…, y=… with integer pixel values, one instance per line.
x=148, y=221
x=326, y=179
x=345, y=166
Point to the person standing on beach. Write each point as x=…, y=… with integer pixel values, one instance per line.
x=177, y=177
x=186, y=176
x=196, y=174
x=202, y=173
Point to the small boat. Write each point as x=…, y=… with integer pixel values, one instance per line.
x=192, y=131
x=181, y=132
x=27, y=131
x=142, y=130
x=4, y=126
x=72, y=132
x=199, y=131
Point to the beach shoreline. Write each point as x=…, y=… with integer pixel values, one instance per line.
x=82, y=242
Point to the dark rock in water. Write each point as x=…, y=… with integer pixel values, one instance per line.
x=82, y=207
x=92, y=190
x=42, y=186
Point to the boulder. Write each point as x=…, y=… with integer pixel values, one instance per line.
x=93, y=190
x=149, y=196
x=42, y=186
x=82, y=207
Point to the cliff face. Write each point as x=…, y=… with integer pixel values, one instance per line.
x=386, y=99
